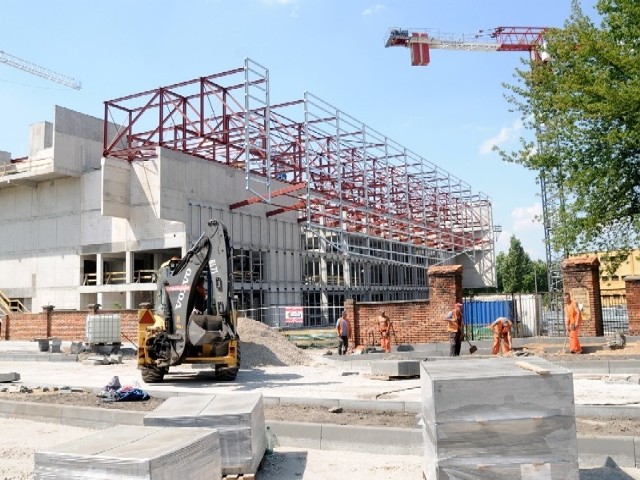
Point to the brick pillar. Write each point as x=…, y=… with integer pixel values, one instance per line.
x=354, y=330
x=445, y=288
x=47, y=309
x=632, y=289
x=581, y=278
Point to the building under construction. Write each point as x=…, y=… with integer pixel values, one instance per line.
x=319, y=206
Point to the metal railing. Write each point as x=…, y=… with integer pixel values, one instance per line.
x=294, y=317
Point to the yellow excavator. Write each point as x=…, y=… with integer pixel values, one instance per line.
x=185, y=328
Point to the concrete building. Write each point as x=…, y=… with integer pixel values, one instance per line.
x=319, y=207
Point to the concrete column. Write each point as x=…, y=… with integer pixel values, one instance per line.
x=632, y=289
x=99, y=277
x=99, y=270
x=130, y=278
x=581, y=279
x=128, y=267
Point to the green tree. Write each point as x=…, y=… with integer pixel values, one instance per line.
x=584, y=107
x=512, y=268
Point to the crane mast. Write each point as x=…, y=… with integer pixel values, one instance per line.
x=39, y=71
x=499, y=39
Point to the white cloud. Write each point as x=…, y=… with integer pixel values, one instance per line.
x=527, y=218
x=527, y=228
x=373, y=10
x=503, y=136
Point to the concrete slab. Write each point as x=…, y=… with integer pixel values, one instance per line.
x=134, y=452
x=388, y=441
x=597, y=450
x=239, y=419
x=9, y=377
x=396, y=368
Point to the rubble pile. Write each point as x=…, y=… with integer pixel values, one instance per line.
x=261, y=345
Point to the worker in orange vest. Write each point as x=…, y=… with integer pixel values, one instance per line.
x=501, y=328
x=455, y=329
x=573, y=319
x=384, y=327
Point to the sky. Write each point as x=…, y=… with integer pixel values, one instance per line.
x=451, y=112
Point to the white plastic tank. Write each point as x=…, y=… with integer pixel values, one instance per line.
x=103, y=328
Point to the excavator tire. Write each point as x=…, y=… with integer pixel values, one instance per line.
x=153, y=374
x=229, y=374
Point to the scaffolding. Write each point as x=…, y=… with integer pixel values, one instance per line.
x=347, y=182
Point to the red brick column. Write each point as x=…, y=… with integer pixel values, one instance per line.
x=445, y=288
x=632, y=288
x=354, y=335
x=581, y=278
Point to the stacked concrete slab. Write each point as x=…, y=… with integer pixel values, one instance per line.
x=498, y=418
x=134, y=452
x=238, y=418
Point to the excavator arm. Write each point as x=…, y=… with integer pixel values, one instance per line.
x=210, y=258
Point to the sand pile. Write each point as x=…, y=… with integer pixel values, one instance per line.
x=261, y=345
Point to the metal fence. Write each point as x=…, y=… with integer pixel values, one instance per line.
x=293, y=317
x=536, y=315
x=615, y=317
x=533, y=315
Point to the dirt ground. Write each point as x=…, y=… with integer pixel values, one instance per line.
x=312, y=414
x=315, y=414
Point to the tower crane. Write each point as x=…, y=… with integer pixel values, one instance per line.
x=499, y=39
x=39, y=71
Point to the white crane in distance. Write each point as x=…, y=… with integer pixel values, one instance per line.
x=39, y=71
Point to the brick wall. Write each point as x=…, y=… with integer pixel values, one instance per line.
x=414, y=321
x=68, y=325
x=582, y=275
x=632, y=289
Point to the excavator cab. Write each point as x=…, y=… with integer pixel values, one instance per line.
x=185, y=327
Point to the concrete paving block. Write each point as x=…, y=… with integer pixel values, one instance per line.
x=239, y=419
x=375, y=405
x=153, y=453
x=396, y=368
x=9, y=377
x=624, y=366
x=316, y=402
x=390, y=441
x=595, y=451
x=32, y=410
x=115, y=358
x=300, y=435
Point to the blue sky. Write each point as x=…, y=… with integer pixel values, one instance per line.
x=450, y=112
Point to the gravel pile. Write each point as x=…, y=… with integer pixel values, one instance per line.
x=261, y=345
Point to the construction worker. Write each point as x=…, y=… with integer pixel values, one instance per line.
x=200, y=304
x=573, y=319
x=342, y=329
x=455, y=328
x=384, y=327
x=501, y=328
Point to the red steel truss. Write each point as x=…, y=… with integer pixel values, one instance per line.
x=306, y=156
